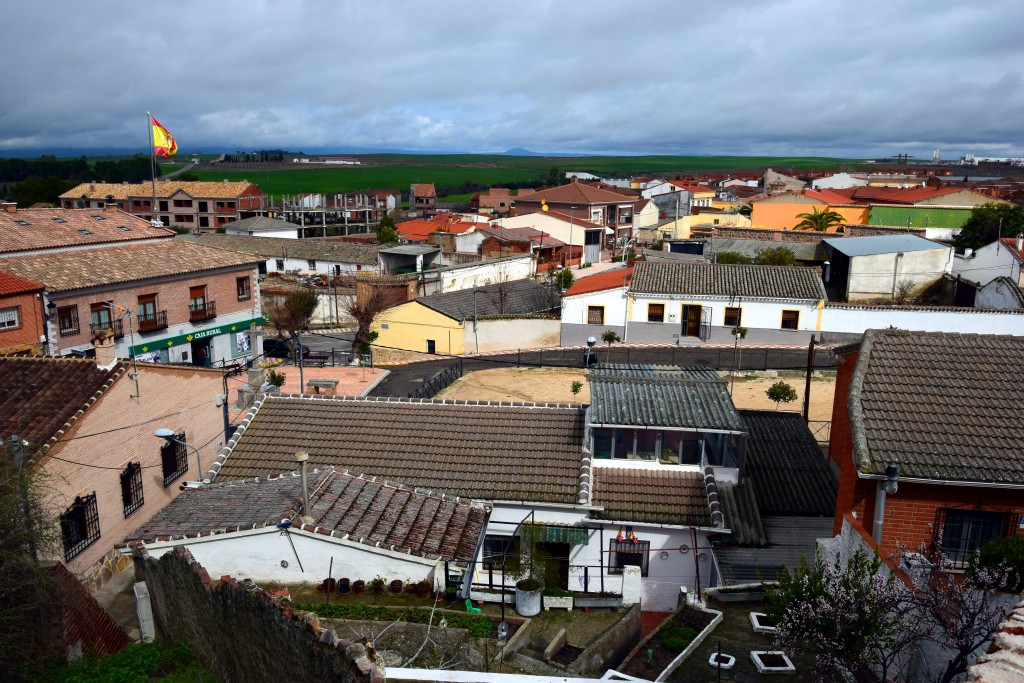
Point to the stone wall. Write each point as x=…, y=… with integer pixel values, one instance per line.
x=243, y=633
x=611, y=647
x=85, y=626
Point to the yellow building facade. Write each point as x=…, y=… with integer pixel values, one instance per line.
x=414, y=327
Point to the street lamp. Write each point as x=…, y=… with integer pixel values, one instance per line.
x=330, y=300
x=51, y=313
x=590, y=344
x=170, y=436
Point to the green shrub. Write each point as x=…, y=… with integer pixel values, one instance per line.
x=478, y=627
x=676, y=637
x=137, y=662
x=1009, y=551
x=556, y=593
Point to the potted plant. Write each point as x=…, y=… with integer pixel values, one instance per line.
x=528, y=597
x=421, y=588
x=377, y=585
x=344, y=585
x=358, y=586
x=451, y=593
x=396, y=586
x=559, y=598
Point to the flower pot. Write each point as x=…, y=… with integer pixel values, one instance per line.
x=396, y=586
x=344, y=586
x=422, y=590
x=359, y=587
x=528, y=597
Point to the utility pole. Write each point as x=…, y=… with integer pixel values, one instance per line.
x=807, y=384
x=23, y=489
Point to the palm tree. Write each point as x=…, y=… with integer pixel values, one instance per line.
x=819, y=220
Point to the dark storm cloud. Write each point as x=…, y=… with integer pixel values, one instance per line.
x=798, y=77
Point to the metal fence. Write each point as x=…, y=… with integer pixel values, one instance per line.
x=821, y=429
x=438, y=382
x=723, y=358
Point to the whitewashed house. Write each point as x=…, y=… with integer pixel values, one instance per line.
x=885, y=266
x=306, y=256
x=687, y=302
x=594, y=305
x=1004, y=257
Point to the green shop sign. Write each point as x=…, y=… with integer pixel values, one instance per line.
x=158, y=344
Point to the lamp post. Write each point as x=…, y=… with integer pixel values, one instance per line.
x=590, y=344
x=170, y=436
x=51, y=313
x=330, y=299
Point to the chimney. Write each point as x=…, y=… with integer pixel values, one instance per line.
x=106, y=353
x=10, y=207
x=302, y=457
x=1020, y=242
x=111, y=205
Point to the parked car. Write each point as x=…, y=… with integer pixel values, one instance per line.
x=281, y=348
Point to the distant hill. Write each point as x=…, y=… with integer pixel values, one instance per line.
x=520, y=152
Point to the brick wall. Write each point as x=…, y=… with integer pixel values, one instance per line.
x=118, y=429
x=30, y=312
x=86, y=628
x=172, y=296
x=243, y=633
x=840, y=443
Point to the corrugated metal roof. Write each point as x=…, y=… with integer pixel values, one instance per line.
x=881, y=244
x=660, y=396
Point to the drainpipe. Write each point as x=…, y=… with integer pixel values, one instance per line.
x=885, y=488
x=302, y=458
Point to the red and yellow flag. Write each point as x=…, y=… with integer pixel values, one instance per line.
x=163, y=143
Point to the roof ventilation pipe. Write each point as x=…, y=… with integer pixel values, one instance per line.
x=302, y=457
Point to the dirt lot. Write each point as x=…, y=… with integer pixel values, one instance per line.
x=554, y=385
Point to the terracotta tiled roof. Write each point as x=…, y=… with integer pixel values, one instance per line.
x=363, y=510
x=786, y=467
x=663, y=495
x=576, y=192
x=1011, y=246
x=419, y=229
x=14, y=284
x=486, y=451
x=624, y=191
x=423, y=190
x=1004, y=661
x=609, y=279
x=518, y=297
x=716, y=279
x=538, y=237
x=38, y=229
x=308, y=249
x=501, y=233
x=67, y=270
x=164, y=189
x=41, y=395
x=691, y=187
x=941, y=406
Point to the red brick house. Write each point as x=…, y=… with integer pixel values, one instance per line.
x=21, y=314
x=200, y=205
x=928, y=440
x=422, y=197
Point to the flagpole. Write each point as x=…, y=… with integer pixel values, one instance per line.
x=152, y=163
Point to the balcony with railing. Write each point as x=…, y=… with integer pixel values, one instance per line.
x=150, y=322
x=202, y=310
x=115, y=326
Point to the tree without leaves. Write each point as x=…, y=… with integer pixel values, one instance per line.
x=983, y=226
x=820, y=221
x=363, y=310
x=781, y=392
x=292, y=313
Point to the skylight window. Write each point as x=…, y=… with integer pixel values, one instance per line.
x=58, y=219
x=124, y=228
x=22, y=222
x=99, y=217
x=85, y=231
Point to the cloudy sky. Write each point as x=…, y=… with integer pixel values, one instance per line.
x=831, y=78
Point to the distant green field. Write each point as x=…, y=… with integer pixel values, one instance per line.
x=450, y=171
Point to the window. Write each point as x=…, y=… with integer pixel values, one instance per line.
x=498, y=547
x=162, y=205
x=131, y=487
x=279, y=264
x=174, y=457
x=80, y=525
x=204, y=222
x=183, y=203
x=67, y=320
x=197, y=298
x=628, y=553
x=734, y=316
x=311, y=265
x=791, y=320
x=100, y=314
x=10, y=318
x=242, y=286
x=203, y=208
x=655, y=313
x=965, y=531
x=595, y=315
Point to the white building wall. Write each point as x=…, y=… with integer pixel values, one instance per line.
x=839, y=181
x=574, y=308
x=658, y=189
x=556, y=227
x=998, y=294
x=855, y=319
x=297, y=265
x=988, y=263
x=756, y=314
x=511, y=334
x=261, y=555
x=879, y=275
x=487, y=273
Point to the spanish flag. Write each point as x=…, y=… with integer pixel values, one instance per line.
x=163, y=143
